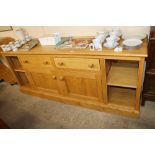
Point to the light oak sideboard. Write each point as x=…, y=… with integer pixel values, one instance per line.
x=104, y=81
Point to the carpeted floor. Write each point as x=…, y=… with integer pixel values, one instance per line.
x=21, y=111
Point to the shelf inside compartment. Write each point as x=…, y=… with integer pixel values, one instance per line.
x=122, y=97
x=22, y=78
x=122, y=73
x=19, y=70
x=14, y=62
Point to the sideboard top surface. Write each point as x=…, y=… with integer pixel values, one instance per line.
x=141, y=52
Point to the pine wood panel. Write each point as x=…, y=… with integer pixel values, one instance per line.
x=6, y=74
x=22, y=79
x=123, y=97
x=31, y=61
x=123, y=74
x=103, y=80
x=78, y=63
x=14, y=62
x=83, y=103
x=81, y=84
x=45, y=81
x=141, y=52
x=139, y=84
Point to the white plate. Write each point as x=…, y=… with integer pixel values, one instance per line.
x=132, y=42
x=107, y=46
x=138, y=36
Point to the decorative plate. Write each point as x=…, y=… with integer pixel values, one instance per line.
x=138, y=36
x=132, y=43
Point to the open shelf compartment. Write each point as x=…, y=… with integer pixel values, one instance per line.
x=22, y=78
x=122, y=73
x=14, y=63
x=122, y=97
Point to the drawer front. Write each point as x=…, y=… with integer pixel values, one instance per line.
x=36, y=61
x=78, y=63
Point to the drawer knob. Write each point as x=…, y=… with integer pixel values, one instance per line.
x=54, y=77
x=45, y=62
x=25, y=61
x=60, y=63
x=61, y=78
x=91, y=65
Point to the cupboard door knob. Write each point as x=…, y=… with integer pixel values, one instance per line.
x=45, y=62
x=26, y=61
x=91, y=65
x=60, y=63
x=54, y=77
x=61, y=78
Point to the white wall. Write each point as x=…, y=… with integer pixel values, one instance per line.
x=37, y=31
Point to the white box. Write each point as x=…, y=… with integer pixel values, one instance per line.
x=49, y=40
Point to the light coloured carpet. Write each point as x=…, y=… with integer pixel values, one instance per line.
x=21, y=111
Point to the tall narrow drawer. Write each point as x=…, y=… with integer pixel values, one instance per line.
x=40, y=61
x=78, y=63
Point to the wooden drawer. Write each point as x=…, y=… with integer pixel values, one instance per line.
x=36, y=61
x=78, y=63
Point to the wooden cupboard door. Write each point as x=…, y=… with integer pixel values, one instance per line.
x=82, y=85
x=46, y=82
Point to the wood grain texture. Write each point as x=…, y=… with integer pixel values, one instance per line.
x=78, y=63
x=83, y=77
x=14, y=62
x=83, y=103
x=48, y=50
x=139, y=84
x=103, y=73
x=45, y=81
x=123, y=97
x=22, y=79
x=36, y=61
x=6, y=74
x=82, y=85
x=123, y=74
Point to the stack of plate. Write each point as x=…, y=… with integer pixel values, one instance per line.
x=136, y=36
x=132, y=43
